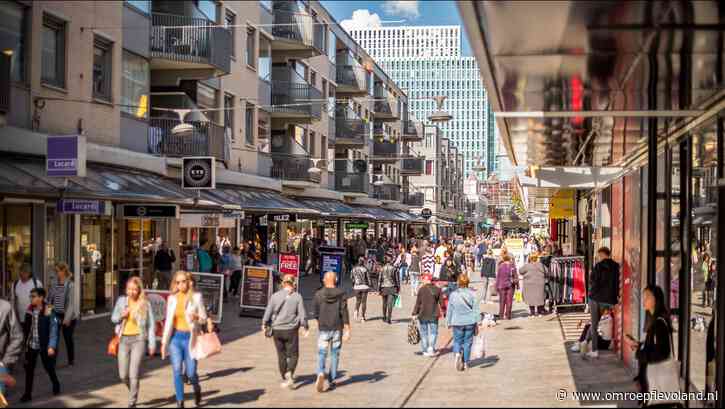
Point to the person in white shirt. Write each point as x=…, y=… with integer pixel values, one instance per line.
x=20, y=294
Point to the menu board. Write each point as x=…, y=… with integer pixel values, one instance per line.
x=256, y=288
x=332, y=259
x=211, y=287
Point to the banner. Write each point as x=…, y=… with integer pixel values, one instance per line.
x=289, y=263
x=561, y=205
x=256, y=288
x=211, y=287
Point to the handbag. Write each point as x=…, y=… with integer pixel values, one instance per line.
x=413, y=333
x=398, y=302
x=112, y=348
x=207, y=345
x=268, y=332
x=478, y=349
x=664, y=377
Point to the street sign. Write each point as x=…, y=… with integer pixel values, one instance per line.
x=152, y=211
x=357, y=225
x=66, y=156
x=199, y=173
x=426, y=213
x=81, y=206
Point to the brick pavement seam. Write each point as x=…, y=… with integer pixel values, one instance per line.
x=416, y=384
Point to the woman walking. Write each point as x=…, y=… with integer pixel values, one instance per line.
x=506, y=282
x=135, y=327
x=414, y=271
x=534, y=279
x=389, y=288
x=185, y=313
x=361, y=287
x=235, y=265
x=463, y=316
x=61, y=297
x=402, y=262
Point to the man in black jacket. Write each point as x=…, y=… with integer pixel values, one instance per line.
x=603, y=292
x=389, y=287
x=427, y=310
x=163, y=264
x=330, y=309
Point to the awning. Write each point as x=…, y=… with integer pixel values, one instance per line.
x=26, y=176
x=335, y=209
x=380, y=214
x=258, y=201
x=411, y=218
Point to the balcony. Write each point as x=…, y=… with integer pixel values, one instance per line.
x=414, y=199
x=412, y=166
x=4, y=82
x=350, y=130
x=296, y=31
x=387, y=192
x=386, y=152
x=293, y=168
x=352, y=78
x=188, y=43
x=412, y=131
x=386, y=106
x=349, y=180
x=176, y=139
x=293, y=98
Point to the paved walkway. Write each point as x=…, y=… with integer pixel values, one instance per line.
x=527, y=365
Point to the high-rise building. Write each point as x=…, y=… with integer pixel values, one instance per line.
x=425, y=62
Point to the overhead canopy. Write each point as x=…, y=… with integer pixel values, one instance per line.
x=334, y=208
x=380, y=214
x=260, y=201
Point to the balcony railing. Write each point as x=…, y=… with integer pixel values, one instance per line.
x=388, y=192
x=414, y=199
x=412, y=131
x=172, y=138
x=294, y=168
x=412, y=166
x=352, y=79
x=386, y=151
x=294, y=30
x=4, y=83
x=385, y=106
x=351, y=130
x=192, y=41
x=296, y=100
x=352, y=182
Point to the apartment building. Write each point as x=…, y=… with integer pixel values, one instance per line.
x=309, y=135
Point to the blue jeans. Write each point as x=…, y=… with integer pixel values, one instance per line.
x=463, y=340
x=3, y=371
x=333, y=340
x=428, y=334
x=403, y=271
x=180, y=355
x=414, y=281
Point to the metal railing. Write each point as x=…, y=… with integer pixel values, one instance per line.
x=293, y=167
x=386, y=150
x=351, y=129
x=296, y=99
x=386, y=192
x=412, y=130
x=4, y=83
x=412, y=166
x=297, y=27
x=352, y=78
x=172, y=138
x=192, y=40
x=352, y=182
x=265, y=93
x=414, y=199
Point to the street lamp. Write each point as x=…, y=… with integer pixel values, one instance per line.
x=439, y=115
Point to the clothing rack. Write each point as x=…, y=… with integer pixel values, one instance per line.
x=565, y=281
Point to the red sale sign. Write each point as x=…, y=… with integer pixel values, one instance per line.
x=289, y=264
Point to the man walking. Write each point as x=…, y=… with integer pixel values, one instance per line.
x=163, y=264
x=11, y=343
x=361, y=287
x=330, y=309
x=389, y=285
x=603, y=293
x=20, y=294
x=427, y=311
x=285, y=314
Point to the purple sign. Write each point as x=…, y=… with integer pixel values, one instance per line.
x=66, y=156
x=81, y=206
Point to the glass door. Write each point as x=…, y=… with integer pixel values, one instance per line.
x=97, y=290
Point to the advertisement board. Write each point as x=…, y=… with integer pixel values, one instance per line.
x=211, y=287
x=332, y=259
x=256, y=289
x=289, y=263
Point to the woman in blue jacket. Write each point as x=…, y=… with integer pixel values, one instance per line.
x=463, y=315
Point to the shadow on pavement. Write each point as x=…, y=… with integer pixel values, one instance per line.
x=374, y=377
x=484, y=363
x=236, y=399
x=223, y=373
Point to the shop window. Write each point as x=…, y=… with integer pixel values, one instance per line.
x=16, y=231
x=97, y=289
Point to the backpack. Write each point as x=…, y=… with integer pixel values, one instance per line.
x=15, y=287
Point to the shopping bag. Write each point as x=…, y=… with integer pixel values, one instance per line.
x=207, y=345
x=518, y=296
x=413, y=333
x=398, y=302
x=478, y=349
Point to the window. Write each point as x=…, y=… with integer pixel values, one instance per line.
x=251, y=49
x=264, y=70
x=429, y=167
x=142, y=5
x=135, y=87
x=312, y=149
x=313, y=78
x=229, y=115
x=300, y=135
x=323, y=144
x=230, y=21
x=13, y=37
x=102, y=55
x=53, y=60
x=208, y=8
x=249, y=124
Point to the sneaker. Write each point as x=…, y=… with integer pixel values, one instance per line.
x=576, y=347
x=290, y=379
x=363, y=319
x=593, y=355
x=25, y=399
x=354, y=314
x=459, y=362
x=331, y=387
x=320, y=383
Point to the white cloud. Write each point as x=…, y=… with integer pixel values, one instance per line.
x=402, y=8
x=361, y=19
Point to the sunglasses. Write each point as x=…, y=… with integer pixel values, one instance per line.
x=181, y=281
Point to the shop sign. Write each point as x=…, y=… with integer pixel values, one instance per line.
x=357, y=225
x=66, y=156
x=198, y=173
x=81, y=206
x=331, y=259
x=263, y=221
x=284, y=217
x=151, y=211
x=205, y=220
x=562, y=205
x=426, y=213
x=289, y=264
x=211, y=287
x=256, y=288
x=234, y=214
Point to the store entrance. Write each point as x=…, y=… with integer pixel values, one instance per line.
x=97, y=278
x=142, y=238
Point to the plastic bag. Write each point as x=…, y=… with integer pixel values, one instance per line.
x=478, y=349
x=398, y=302
x=518, y=296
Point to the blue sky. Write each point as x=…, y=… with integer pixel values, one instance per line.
x=415, y=13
